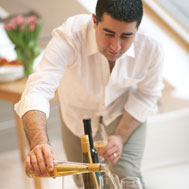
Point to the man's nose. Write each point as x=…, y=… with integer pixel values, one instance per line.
x=115, y=44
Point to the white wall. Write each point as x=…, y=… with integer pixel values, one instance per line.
x=176, y=65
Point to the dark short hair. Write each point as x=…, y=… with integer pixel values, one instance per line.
x=122, y=10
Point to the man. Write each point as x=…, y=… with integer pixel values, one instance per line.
x=103, y=66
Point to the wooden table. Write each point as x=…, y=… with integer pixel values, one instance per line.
x=11, y=92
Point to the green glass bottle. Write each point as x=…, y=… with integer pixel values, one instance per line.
x=89, y=179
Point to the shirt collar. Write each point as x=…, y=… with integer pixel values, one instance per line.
x=131, y=51
x=91, y=44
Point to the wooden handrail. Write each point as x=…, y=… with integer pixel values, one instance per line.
x=165, y=26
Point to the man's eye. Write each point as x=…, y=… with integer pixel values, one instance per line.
x=124, y=37
x=109, y=34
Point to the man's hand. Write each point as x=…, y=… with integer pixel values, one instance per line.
x=40, y=159
x=123, y=131
x=113, y=149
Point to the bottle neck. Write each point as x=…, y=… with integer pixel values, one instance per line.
x=97, y=167
x=88, y=131
x=91, y=141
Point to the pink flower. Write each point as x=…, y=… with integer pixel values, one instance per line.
x=6, y=27
x=32, y=27
x=14, y=22
x=19, y=30
x=17, y=20
x=12, y=26
x=21, y=27
x=31, y=20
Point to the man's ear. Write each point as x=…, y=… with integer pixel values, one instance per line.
x=94, y=19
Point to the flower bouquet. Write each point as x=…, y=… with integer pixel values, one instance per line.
x=24, y=31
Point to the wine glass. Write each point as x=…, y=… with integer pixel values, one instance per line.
x=73, y=182
x=131, y=183
x=100, y=140
x=109, y=182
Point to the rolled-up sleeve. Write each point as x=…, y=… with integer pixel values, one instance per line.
x=41, y=85
x=142, y=101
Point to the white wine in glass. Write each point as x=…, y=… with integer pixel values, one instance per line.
x=101, y=140
x=99, y=145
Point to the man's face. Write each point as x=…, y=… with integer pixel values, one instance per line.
x=114, y=37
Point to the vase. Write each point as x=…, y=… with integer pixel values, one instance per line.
x=25, y=56
x=28, y=67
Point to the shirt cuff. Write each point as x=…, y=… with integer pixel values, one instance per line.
x=138, y=109
x=32, y=103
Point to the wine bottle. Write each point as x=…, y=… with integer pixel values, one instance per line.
x=88, y=131
x=90, y=180
x=70, y=168
x=94, y=152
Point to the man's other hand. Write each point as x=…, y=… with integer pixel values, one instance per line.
x=113, y=149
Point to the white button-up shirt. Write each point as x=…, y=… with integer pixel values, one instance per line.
x=86, y=88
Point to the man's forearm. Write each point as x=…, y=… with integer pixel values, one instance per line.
x=34, y=123
x=126, y=126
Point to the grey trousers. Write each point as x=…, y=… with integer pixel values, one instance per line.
x=129, y=163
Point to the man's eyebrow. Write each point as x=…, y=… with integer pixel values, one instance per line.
x=123, y=34
x=109, y=31
x=127, y=34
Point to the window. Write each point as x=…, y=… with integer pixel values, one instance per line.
x=178, y=9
